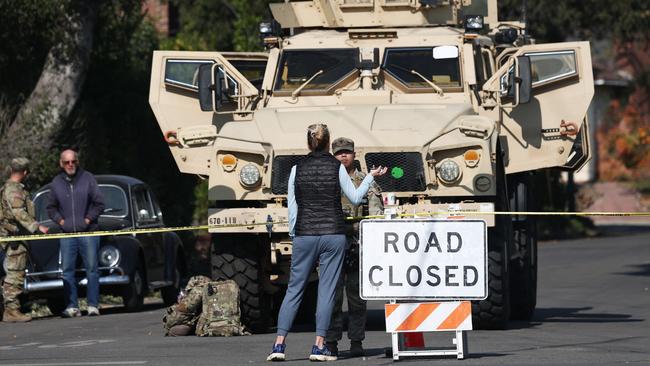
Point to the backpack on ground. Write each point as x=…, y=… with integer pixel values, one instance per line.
x=220, y=315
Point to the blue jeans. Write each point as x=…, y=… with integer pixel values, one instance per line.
x=87, y=247
x=329, y=251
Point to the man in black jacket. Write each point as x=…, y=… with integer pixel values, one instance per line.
x=75, y=204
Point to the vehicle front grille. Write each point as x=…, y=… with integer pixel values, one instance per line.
x=405, y=171
x=281, y=171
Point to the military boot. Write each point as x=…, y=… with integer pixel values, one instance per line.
x=15, y=316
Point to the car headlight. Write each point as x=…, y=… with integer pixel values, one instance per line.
x=448, y=171
x=109, y=256
x=249, y=175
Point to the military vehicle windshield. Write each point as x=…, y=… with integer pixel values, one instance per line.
x=297, y=66
x=438, y=64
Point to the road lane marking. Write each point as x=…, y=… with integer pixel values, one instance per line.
x=80, y=363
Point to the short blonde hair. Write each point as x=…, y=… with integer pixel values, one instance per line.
x=318, y=137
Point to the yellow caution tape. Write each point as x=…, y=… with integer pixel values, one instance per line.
x=357, y=218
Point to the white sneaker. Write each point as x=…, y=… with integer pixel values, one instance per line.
x=71, y=313
x=93, y=311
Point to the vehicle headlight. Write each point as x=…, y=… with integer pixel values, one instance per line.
x=249, y=175
x=448, y=171
x=109, y=256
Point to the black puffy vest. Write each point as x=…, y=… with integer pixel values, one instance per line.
x=318, y=194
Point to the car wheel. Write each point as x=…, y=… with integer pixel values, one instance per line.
x=133, y=295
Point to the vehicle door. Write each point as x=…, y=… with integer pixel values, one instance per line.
x=174, y=99
x=533, y=133
x=146, y=217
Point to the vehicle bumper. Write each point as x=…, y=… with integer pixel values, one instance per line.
x=51, y=280
x=253, y=220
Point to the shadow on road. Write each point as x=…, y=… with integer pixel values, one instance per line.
x=122, y=309
x=621, y=230
x=572, y=315
x=637, y=270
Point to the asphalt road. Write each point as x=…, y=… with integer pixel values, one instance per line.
x=593, y=309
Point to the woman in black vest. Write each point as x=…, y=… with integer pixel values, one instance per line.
x=317, y=225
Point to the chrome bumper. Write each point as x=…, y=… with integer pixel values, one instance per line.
x=108, y=277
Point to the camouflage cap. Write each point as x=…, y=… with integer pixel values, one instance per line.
x=19, y=164
x=342, y=143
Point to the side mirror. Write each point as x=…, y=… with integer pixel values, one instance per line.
x=524, y=83
x=517, y=82
x=206, y=88
x=213, y=88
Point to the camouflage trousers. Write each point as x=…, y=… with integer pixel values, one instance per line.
x=188, y=309
x=349, y=280
x=15, y=264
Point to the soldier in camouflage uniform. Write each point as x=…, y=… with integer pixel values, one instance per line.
x=181, y=318
x=343, y=150
x=207, y=308
x=17, y=219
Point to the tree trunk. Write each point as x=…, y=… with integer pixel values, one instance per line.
x=58, y=88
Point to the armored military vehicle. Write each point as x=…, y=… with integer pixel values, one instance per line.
x=460, y=106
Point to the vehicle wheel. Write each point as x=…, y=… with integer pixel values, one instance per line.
x=133, y=293
x=56, y=305
x=523, y=268
x=170, y=293
x=238, y=258
x=494, y=311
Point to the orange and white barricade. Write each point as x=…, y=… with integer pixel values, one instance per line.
x=448, y=316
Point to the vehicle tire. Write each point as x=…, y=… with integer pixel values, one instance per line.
x=239, y=258
x=56, y=305
x=133, y=293
x=523, y=268
x=494, y=311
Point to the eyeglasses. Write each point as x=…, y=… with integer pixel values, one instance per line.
x=69, y=162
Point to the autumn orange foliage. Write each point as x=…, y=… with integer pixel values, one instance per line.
x=624, y=135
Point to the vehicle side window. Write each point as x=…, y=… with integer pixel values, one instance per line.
x=143, y=208
x=253, y=70
x=548, y=67
x=183, y=73
x=114, y=201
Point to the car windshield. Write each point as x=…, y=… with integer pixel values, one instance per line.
x=297, y=66
x=114, y=202
x=439, y=65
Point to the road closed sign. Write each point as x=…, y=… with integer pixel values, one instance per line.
x=423, y=259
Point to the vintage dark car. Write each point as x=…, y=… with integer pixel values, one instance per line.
x=130, y=265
